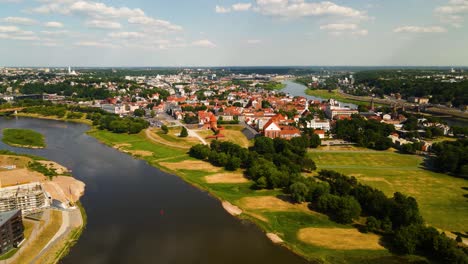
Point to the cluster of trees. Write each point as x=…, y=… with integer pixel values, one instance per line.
x=366, y=133
x=406, y=83
x=118, y=124
x=270, y=163
x=80, y=91
x=451, y=157
x=397, y=217
x=101, y=119
x=59, y=111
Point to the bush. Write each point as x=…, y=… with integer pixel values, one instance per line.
x=165, y=129
x=299, y=191
x=183, y=132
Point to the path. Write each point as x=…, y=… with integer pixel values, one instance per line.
x=155, y=139
x=37, y=230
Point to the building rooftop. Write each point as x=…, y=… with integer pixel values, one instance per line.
x=5, y=216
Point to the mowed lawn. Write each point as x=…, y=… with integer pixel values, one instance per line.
x=232, y=133
x=439, y=196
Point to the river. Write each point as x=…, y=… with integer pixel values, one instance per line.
x=139, y=214
x=297, y=89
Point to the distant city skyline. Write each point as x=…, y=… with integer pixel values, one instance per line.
x=83, y=33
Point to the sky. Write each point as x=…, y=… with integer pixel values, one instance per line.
x=107, y=33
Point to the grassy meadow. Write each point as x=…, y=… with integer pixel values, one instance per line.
x=269, y=209
x=23, y=138
x=440, y=197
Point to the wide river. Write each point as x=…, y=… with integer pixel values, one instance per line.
x=139, y=214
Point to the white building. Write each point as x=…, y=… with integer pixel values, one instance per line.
x=319, y=124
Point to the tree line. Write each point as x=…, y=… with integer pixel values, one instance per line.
x=406, y=83
x=100, y=118
x=451, y=157
x=365, y=133
x=397, y=218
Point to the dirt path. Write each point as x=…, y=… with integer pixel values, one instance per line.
x=155, y=139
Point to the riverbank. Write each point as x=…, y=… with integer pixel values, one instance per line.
x=271, y=210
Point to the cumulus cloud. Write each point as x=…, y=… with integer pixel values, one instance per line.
x=19, y=20
x=103, y=24
x=15, y=33
x=344, y=29
x=222, y=10
x=102, y=12
x=453, y=12
x=301, y=8
x=239, y=7
x=55, y=32
x=53, y=24
x=126, y=35
x=339, y=27
x=419, y=29
x=95, y=44
x=204, y=43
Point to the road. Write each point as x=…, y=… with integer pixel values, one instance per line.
x=191, y=132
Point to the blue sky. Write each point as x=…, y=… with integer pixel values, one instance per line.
x=233, y=32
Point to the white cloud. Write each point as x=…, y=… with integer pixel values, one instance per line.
x=8, y=29
x=19, y=20
x=126, y=35
x=344, y=29
x=104, y=24
x=453, y=12
x=15, y=33
x=222, y=10
x=339, y=27
x=419, y=29
x=241, y=6
x=235, y=7
x=301, y=8
x=95, y=44
x=55, y=32
x=157, y=24
x=53, y=24
x=101, y=11
x=204, y=43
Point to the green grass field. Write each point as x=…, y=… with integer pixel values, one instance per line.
x=23, y=138
x=284, y=223
x=440, y=196
x=325, y=94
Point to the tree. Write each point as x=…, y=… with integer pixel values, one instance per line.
x=152, y=114
x=233, y=164
x=315, y=141
x=299, y=191
x=165, y=129
x=199, y=151
x=183, y=132
x=264, y=145
x=139, y=112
